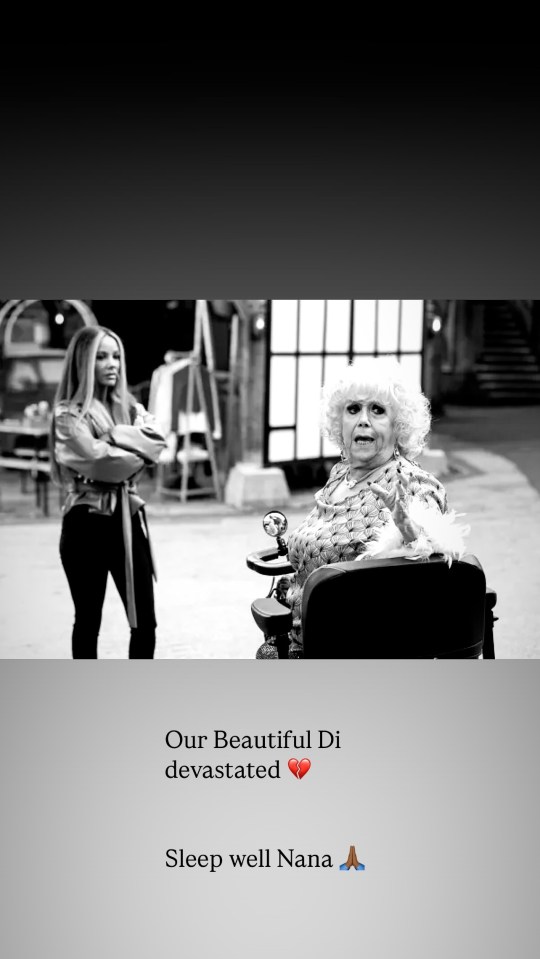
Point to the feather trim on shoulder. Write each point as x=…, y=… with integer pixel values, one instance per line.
x=440, y=533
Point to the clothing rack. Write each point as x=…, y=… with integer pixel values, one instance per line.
x=198, y=413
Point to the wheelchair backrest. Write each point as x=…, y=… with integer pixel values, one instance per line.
x=395, y=609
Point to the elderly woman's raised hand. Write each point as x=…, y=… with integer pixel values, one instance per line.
x=396, y=499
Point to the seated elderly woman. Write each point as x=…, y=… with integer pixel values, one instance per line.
x=377, y=501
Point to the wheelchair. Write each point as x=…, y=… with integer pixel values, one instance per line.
x=378, y=608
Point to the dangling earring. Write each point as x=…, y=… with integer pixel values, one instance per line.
x=396, y=453
x=343, y=456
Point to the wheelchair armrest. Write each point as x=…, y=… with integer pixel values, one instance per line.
x=271, y=616
x=269, y=562
x=491, y=598
x=489, y=646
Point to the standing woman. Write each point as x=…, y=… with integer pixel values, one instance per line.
x=101, y=439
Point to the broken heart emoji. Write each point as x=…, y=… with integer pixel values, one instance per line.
x=299, y=769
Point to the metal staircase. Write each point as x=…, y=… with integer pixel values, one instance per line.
x=507, y=371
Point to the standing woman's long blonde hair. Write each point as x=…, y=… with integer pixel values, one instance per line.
x=77, y=384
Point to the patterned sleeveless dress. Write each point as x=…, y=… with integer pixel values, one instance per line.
x=338, y=532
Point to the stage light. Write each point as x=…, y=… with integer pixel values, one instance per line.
x=258, y=327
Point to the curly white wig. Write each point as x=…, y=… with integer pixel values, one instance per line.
x=379, y=378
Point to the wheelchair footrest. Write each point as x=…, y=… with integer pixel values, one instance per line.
x=272, y=617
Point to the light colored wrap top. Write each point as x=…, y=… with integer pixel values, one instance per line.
x=98, y=462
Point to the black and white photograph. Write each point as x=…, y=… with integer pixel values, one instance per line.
x=270, y=479
x=269, y=568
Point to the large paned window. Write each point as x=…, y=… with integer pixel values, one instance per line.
x=309, y=342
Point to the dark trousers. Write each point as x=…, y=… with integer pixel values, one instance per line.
x=91, y=547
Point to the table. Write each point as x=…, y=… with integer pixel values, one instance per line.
x=31, y=459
